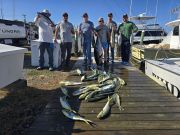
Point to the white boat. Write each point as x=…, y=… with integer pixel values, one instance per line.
x=167, y=71
x=153, y=33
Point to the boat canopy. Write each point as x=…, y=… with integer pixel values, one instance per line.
x=173, y=23
x=142, y=18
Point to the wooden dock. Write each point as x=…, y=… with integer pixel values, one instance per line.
x=149, y=109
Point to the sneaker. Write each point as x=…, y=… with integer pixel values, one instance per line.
x=122, y=63
x=67, y=64
x=84, y=63
x=126, y=63
x=105, y=63
x=39, y=68
x=50, y=69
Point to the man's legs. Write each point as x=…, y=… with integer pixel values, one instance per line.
x=123, y=51
x=108, y=53
x=42, y=48
x=68, y=47
x=127, y=51
x=88, y=44
x=50, y=53
x=112, y=54
x=63, y=53
x=85, y=52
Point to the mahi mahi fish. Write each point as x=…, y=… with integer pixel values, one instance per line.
x=68, y=83
x=65, y=91
x=106, y=110
x=74, y=116
x=65, y=104
x=116, y=99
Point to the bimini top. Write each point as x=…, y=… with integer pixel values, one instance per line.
x=173, y=23
x=142, y=17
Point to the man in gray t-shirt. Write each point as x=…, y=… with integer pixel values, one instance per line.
x=86, y=29
x=66, y=30
x=112, y=25
x=104, y=36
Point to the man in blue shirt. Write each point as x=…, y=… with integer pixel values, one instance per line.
x=86, y=29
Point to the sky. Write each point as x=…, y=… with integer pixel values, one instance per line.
x=95, y=9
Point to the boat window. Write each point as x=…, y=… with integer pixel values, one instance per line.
x=138, y=34
x=154, y=33
x=151, y=33
x=176, y=31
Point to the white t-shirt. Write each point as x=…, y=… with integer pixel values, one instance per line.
x=45, y=30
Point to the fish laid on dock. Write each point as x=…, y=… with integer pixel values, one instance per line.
x=68, y=83
x=106, y=110
x=65, y=104
x=65, y=91
x=74, y=116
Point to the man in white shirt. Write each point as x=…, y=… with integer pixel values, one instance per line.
x=45, y=26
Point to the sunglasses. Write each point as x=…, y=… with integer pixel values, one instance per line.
x=100, y=21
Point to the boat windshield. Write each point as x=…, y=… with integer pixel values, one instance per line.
x=176, y=31
x=151, y=33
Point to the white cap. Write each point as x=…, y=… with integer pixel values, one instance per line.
x=46, y=11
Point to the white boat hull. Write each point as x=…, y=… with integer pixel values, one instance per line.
x=165, y=73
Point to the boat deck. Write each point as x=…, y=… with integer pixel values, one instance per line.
x=149, y=109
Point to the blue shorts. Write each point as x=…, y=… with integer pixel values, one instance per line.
x=105, y=45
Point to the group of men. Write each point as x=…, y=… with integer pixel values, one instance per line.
x=103, y=33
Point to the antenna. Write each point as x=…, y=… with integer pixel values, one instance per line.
x=170, y=7
x=13, y=9
x=156, y=11
x=176, y=11
x=130, y=9
x=24, y=16
x=2, y=16
x=147, y=5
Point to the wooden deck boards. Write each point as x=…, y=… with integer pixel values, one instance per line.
x=149, y=109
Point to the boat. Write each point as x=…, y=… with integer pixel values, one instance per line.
x=166, y=71
x=153, y=33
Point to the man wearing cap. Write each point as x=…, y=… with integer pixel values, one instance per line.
x=112, y=26
x=104, y=36
x=45, y=26
x=66, y=30
x=86, y=29
x=126, y=29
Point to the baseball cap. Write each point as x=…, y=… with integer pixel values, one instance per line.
x=65, y=14
x=101, y=19
x=110, y=15
x=85, y=15
x=125, y=15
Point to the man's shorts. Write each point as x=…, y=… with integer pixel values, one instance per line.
x=105, y=45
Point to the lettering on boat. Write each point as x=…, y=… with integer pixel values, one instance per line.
x=170, y=87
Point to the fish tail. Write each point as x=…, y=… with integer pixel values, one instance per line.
x=89, y=122
x=109, y=99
